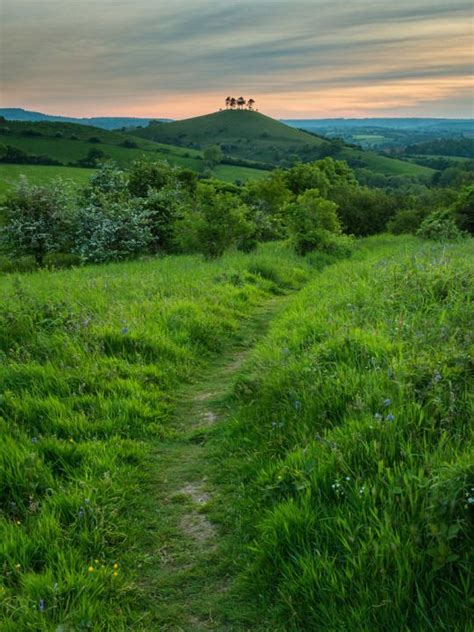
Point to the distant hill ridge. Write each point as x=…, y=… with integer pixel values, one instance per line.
x=104, y=122
x=391, y=123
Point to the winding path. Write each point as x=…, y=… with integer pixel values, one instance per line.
x=186, y=571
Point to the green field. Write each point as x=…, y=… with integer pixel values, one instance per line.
x=231, y=173
x=387, y=166
x=39, y=174
x=193, y=445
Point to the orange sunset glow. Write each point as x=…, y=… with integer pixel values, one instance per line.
x=300, y=58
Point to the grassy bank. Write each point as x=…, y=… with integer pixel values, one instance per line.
x=350, y=453
x=91, y=360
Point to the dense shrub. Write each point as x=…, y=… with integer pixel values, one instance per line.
x=111, y=231
x=312, y=220
x=146, y=174
x=463, y=209
x=440, y=226
x=215, y=222
x=38, y=220
x=364, y=211
x=406, y=221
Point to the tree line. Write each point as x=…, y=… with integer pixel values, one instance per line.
x=154, y=208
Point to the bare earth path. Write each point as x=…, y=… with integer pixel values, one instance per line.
x=186, y=574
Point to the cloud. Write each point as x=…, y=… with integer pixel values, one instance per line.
x=158, y=58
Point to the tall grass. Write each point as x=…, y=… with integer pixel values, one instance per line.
x=90, y=363
x=353, y=439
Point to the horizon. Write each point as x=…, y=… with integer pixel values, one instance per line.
x=300, y=60
x=310, y=118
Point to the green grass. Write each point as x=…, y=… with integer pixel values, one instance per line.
x=350, y=452
x=387, y=166
x=91, y=362
x=340, y=469
x=39, y=174
x=231, y=173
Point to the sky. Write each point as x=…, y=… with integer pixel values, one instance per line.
x=181, y=58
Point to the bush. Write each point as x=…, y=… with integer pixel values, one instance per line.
x=38, y=220
x=93, y=158
x=162, y=209
x=129, y=144
x=216, y=222
x=111, y=231
x=440, y=226
x=463, y=209
x=146, y=175
x=364, y=211
x=312, y=220
x=406, y=221
x=268, y=198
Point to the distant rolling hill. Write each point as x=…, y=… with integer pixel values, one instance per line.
x=68, y=144
x=104, y=122
x=390, y=123
x=257, y=137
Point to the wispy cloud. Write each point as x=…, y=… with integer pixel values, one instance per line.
x=297, y=57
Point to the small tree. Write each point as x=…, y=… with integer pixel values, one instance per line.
x=213, y=155
x=312, y=221
x=93, y=158
x=38, y=220
x=268, y=199
x=146, y=175
x=216, y=222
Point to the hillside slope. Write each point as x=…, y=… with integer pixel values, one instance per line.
x=70, y=143
x=239, y=132
x=254, y=136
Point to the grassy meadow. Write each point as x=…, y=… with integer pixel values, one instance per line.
x=343, y=469
x=39, y=175
x=350, y=447
x=91, y=360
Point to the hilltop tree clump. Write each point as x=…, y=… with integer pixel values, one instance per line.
x=231, y=103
